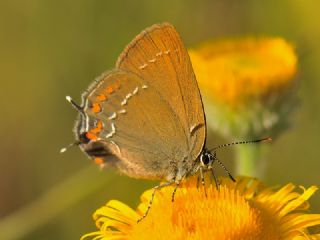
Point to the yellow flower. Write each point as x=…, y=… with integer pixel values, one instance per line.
x=242, y=210
x=246, y=84
x=237, y=71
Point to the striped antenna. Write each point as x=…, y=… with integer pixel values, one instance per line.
x=267, y=139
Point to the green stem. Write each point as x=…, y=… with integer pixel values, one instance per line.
x=250, y=161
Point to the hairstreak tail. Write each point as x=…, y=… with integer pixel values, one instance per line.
x=145, y=117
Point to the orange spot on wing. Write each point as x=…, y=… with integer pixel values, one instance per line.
x=91, y=136
x=97, y=129
x=99, y=161
x=96, y=108
x=101, y=97
x=109, y=89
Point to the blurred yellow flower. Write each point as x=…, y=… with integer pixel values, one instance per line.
x=245, y=84
x=237, y=71
x=242, y=210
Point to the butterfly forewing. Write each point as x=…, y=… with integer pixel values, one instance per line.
x=160, y=58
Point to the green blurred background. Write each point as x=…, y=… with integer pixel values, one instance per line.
x=50, y=49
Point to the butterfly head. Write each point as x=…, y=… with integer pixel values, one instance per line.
x=207, y=159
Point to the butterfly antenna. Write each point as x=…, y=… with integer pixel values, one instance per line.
x=74, y=104
x=225, y=169
x=62, y=150
x=267, y=139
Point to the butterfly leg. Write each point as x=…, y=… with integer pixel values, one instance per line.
x=175, y=190
x=152, y=197
x=198, y=182
x=216, y=180
x=202, y=181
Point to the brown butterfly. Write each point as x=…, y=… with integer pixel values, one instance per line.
x=145, y=117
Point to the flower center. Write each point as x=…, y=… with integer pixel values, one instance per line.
x=224, y=214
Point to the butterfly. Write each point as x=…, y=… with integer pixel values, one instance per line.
x=145, y=117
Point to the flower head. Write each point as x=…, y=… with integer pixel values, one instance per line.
x=242, y=210
x=246, y=84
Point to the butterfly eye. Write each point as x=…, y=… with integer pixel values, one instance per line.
x=205, y=159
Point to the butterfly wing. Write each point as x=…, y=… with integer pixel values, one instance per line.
x=141, y=132
x=159, y=57
x=148, y=112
